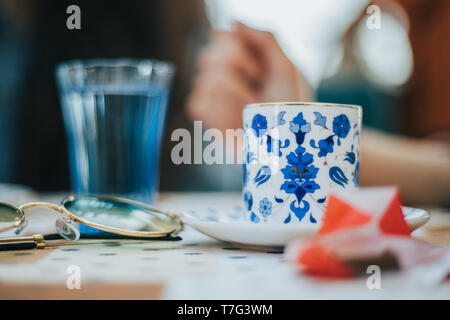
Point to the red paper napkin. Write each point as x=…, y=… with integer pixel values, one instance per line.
x=361, y=228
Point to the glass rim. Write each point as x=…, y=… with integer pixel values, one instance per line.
x=82, y=64
x=301, y=104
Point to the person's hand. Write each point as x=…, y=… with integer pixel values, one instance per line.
x=240, y=67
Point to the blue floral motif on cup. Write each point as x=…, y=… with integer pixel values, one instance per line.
x=355, y=175
x=265, y=207
x=259, y=125
x=341, y=126
x=248, y=200
x=299, y=127
x=263, y=175
x=337, y=175
x=320, y=120
x=299, y=174
x=254, y=218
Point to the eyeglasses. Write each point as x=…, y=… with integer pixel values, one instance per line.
x=111, y=214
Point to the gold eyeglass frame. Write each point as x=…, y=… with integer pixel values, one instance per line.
x=176, y=221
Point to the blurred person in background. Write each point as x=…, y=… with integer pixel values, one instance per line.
x=245, y=65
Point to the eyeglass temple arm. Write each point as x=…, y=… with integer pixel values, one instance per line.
x=36, y=238
x=41, y=205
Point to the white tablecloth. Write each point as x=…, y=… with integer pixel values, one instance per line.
x=197, y=267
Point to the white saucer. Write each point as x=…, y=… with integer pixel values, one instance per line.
x=231, y=227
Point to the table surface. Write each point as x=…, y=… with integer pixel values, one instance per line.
x=196, y=267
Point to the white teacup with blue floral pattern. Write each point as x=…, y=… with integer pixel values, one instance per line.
x=294, y=155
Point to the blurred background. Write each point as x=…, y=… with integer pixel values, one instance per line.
x=399, y=73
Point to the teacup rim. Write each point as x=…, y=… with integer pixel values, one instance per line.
x=301, y=104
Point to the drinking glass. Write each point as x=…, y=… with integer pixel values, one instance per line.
x=114, y=112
